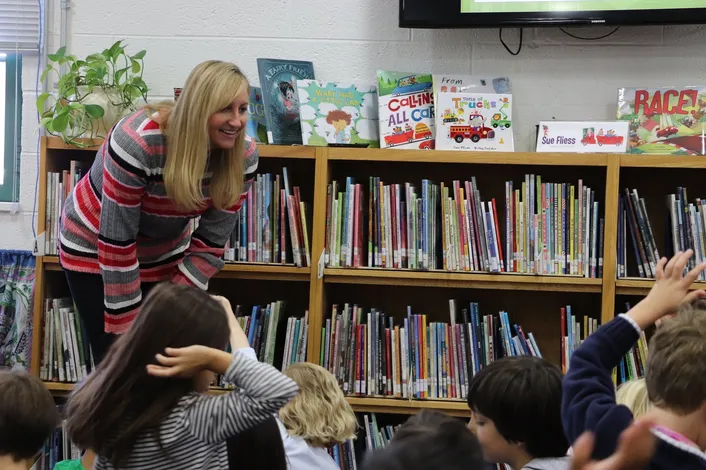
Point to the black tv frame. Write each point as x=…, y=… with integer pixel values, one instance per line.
x=447, y=14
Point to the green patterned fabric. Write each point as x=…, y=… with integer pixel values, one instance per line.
x=17, y=271
x=69, y=465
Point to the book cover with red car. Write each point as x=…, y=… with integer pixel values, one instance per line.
x=665, y=120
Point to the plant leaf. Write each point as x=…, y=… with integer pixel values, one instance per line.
x=41, y=100
x=139, y=55
x=59, y=123
x=119, y=75
x=76, y=105
x=135, y=66
x=45, y=121
x=95, y=111
x=46, y=73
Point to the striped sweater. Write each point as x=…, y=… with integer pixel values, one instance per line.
x=193, y=436
x=119, y=222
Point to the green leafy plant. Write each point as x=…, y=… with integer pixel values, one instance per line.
x=74, y=110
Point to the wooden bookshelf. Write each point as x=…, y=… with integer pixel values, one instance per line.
x=534, y=301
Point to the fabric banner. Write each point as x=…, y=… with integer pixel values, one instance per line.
x=17, y=274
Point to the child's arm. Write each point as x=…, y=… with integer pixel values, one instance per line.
x=588, y=392
x=262, y=391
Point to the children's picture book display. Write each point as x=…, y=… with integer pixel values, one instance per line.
x=583, y=136
x=278, y=81
x=338, y=113
x=469, y=84
x=406, y=104
x=665, y=120
x=474, y=121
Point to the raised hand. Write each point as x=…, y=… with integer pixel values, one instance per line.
x=670, y=290
x=182, y=362
x=635, y=449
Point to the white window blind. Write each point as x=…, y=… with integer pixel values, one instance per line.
x=19, y=25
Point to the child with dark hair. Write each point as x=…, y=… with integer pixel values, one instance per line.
x=259, y=447
x=27, y=417
x=429, y=440
x=143, y=407
x=516, y=413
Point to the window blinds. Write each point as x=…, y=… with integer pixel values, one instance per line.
x=19, y=25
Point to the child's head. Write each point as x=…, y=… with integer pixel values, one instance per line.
x=320, y=413
x=27, y=416
x=258, y=447
x=429, y=440
x=676, y=370
x=633, y=394
x=515, y=407
x=121, y=395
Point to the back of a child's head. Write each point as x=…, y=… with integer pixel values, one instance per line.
x=320, y=413
x=258, y=447
x=120, y=400
x=429, y=440
x=522, y=397
x=28, y=415
x=633, y=394
x=676, y=369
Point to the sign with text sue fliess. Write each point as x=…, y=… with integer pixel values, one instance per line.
x=583, y=136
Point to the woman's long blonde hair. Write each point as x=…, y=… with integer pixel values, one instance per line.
x=212, y=86
x=320, y=413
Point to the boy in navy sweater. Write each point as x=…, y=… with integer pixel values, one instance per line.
x=675, y=373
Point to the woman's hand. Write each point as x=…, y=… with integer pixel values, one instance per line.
x=182, y=362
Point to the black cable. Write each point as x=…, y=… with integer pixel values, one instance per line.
x=589, y=39
x=519, y=48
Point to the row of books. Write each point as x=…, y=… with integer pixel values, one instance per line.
x=57, y=447
x=273, y=343
x=372, y=356
x=59, y=186
x=66, y=352
x=633, y=219
x=271, y=226
x=550, y=228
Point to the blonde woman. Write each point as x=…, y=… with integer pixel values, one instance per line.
x=315, y=419
x=633, y=394
x=126, y=224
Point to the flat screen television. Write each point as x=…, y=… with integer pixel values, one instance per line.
x=500, y=13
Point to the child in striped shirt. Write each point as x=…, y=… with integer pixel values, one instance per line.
x=145, y=408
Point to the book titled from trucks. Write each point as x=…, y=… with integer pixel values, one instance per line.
x=338, y=113
x=406, y=105
x=278, y=81
x=665, y=120
x=475, y=122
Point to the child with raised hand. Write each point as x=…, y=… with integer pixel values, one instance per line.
x=515, y=407
x=28, y=415
x=318, y=417
x=144, y=406
x=675, y=373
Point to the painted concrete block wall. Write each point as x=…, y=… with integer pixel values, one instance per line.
x=554, y=76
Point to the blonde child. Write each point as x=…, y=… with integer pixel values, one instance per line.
x=317, y=418
x=144, y=406
x=633, y=394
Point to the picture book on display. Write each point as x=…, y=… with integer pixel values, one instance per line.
x=665, y=120
x=469, y=84
x=582, y=136
x=406, y=105
x=278, y=81
x=474, y=121
x=338, y=113
x=256, y=128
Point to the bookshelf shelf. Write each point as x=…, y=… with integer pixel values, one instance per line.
x=441, y=156
x=56, y=143
x=402, y=406
x=504, y=281
x=662, y=161
x=286, y=151
x=275, y=272
x=641, y=286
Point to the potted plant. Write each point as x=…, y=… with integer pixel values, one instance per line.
x=92, y=93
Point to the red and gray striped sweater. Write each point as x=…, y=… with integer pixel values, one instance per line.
x=118, y=222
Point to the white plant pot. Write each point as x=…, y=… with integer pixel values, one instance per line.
x=104, y=100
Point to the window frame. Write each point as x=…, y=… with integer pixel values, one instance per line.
x=13, y=114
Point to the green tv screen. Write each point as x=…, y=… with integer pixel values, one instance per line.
x=498, y=13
